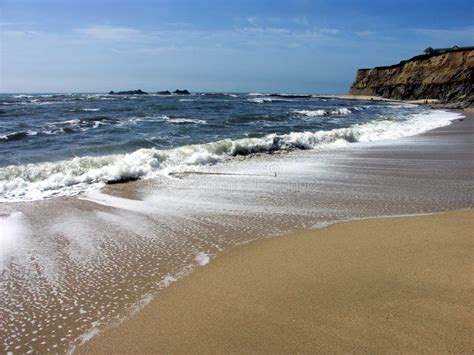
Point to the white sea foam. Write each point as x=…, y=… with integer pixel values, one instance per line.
x=176, y=120
x=202, y=259
x=323, y=112
x=97, y=124
x=260, y=100
x=40, y=103
x=84, y=338
x=117, y=202
x=17, y=135
x=167, y=280
x=256, y=94
x=12, y=235
x=67, y=123
x=82, y=124
x=41, y=180
x=184, y=120
x=80, y=236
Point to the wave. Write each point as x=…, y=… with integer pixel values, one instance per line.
x=260, y=100
x=291, y=96
x=270, y=98
x=68, y=122
x=324, y=112
x=14, y=136
x=184, y=120
x=79, y=121
x=41, y=103
x=49, y=179
x=257, y=94
x=287, y=96
x=77, y=124
x=85, y=110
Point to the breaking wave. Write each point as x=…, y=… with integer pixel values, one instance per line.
x=324, y=112
x=14, y=136
x=86, y=110
x=259, y=100
x=184, y=120
x=49, y=179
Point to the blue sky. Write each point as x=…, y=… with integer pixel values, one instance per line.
x=297, y=46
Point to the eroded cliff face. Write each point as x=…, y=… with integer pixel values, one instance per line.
x=447, y=77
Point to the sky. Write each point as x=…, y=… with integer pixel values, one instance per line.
x=294, y=46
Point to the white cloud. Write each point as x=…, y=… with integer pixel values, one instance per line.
x=110, y=33
x=10, y=24
x=236, y=38
x=271, y=21
x=252, y=20
x=330, y=31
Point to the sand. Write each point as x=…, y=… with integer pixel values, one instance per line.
x=380, y=285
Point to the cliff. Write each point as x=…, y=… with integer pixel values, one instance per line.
x=447, y=77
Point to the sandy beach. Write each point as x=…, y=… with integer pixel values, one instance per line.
x=381, y=285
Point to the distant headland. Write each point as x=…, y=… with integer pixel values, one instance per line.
x=444, y=74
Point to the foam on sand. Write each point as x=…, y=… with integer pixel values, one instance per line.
x=12, y=235
x=202, y=259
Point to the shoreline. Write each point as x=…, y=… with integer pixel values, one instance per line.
x=320, y=290
x=432, y=103
x=92, y=347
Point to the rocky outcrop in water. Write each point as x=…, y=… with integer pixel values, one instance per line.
x=181, y=92
x=446, y=76
x=128, y=92
x=140, y=92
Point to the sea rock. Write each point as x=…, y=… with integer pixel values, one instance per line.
x=446, y=76
x=128, y=92
x=166, y=92
x=122, y=180
x=181, y=92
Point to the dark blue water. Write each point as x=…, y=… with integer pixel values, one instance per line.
x=37, y=128
x=56, y=144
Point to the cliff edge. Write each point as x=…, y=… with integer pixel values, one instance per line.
x=446, y=76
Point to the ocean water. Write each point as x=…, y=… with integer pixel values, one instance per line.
x=64, y=144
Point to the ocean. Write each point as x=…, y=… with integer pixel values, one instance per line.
x=64, y=144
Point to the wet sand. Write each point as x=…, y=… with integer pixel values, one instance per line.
x=399, y=284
